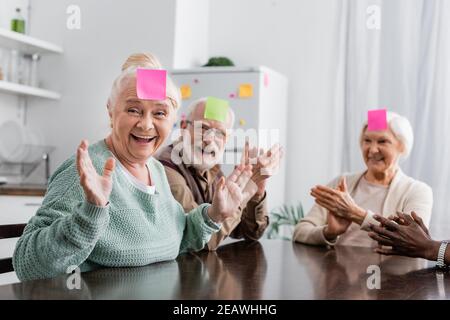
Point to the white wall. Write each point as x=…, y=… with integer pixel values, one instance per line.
x=191, y=33
x=293, y=37
x=8, y=103
x=93, y=55
x=8, y=108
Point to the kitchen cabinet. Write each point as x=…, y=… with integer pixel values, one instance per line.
x=15, y=209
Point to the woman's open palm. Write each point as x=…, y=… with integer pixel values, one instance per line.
x=97, y=188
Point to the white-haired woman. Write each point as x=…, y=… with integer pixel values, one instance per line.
x=111, y=205
x=344, y=209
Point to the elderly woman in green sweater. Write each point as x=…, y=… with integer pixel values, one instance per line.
x=111, y=205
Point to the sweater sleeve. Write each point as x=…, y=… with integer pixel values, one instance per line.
x=420, y=200
x=254, y=220
x=198, y=229
x=62, y=234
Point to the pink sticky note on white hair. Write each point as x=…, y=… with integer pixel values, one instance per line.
x=377, y=120
x=151, y=84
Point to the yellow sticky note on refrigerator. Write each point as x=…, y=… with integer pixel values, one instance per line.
x=245, y=90
x=216, y=109
x=186, y=91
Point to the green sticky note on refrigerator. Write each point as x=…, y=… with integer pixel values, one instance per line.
x=216, y=109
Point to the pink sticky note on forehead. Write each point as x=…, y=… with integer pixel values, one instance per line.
x=151, y=84
x=376, y=120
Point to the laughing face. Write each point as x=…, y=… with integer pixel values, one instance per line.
x=204, y=140
x=139, y=127
x=381, y=151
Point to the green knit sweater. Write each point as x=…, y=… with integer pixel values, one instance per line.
x=135, y=229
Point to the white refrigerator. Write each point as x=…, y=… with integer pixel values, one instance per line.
x=258, y=96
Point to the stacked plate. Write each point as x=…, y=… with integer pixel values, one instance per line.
x=19, y=144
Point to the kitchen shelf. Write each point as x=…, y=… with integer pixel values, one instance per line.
x=22, y=90
x=26, y=44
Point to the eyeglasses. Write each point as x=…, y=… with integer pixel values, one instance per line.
x=218, y=134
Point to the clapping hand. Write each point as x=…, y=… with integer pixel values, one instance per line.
x=264, y=165
x=229, y=194
x=339, y=201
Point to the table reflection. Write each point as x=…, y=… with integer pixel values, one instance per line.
x=235, y=271
x=345, y=273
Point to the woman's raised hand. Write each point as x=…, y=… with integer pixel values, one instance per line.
x=97, y=188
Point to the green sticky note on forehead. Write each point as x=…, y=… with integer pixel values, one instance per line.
x=216, y=109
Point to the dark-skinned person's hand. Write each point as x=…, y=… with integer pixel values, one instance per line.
x=406, y=235
x=400, y=218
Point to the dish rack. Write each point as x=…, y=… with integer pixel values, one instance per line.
x=36, y=155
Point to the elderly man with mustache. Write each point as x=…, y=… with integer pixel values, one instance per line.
x=192, y=168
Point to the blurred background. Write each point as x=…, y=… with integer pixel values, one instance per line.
x=332, y=60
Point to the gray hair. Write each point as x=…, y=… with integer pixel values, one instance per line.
x=402, y=129
x=194, y=104
x=141, y=60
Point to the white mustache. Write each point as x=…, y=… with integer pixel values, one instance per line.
x=208, y=149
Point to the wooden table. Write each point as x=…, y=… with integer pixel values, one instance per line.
x=269, y=269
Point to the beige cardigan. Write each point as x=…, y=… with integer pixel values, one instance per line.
x=404, y=194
